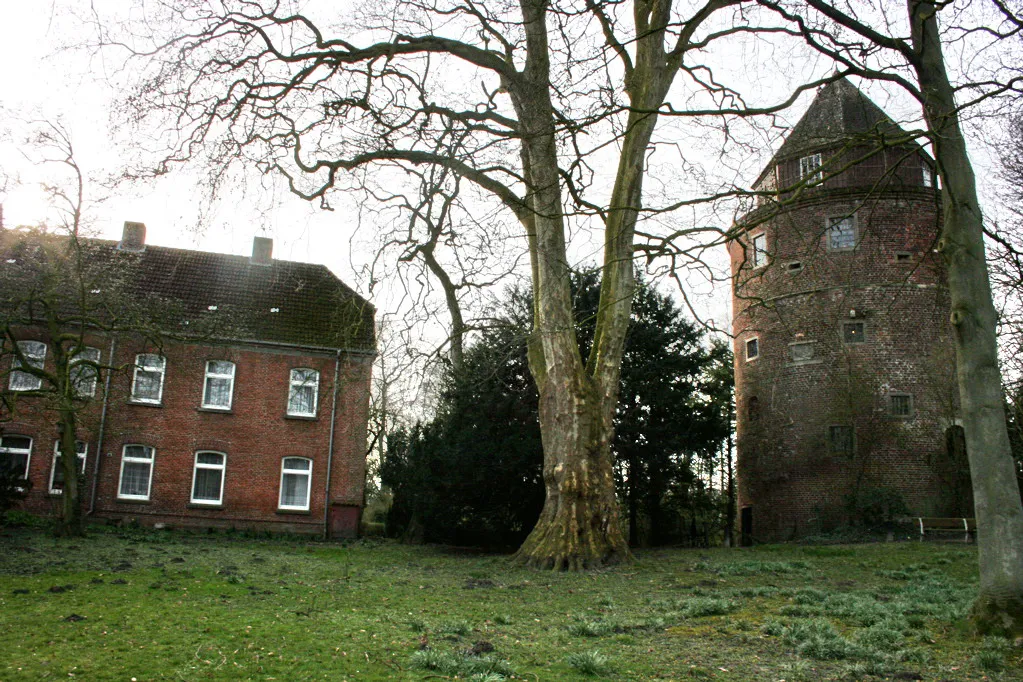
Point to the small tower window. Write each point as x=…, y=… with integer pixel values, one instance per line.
x=802, y=351
x=810, y=169
x=840, y=439
x=759, y=255
x=794, y=267
x=752, y=348
x=854, y=332
x=841, y=233
x=928, y=175
x=900, y=405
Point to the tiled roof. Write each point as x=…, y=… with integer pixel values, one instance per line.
x=280, y=302
x=840, y=114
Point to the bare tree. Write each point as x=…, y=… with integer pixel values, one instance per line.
x=554, y=107
x=911, y=55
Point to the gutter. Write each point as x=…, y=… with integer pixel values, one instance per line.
x=102, y=427
x=330, y=446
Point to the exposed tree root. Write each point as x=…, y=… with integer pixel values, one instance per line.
x=1002, y=616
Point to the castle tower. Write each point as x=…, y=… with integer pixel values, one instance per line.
x=844, y=367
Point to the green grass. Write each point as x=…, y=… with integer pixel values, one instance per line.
x=159, y=606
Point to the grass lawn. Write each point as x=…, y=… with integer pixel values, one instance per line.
x=153, y=605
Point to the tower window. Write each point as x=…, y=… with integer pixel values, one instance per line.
x=794, y=267
x=854, y=332
x=900, y=405
x=840, y=439
x=841, y=233
x=903, y=257
x=928, y=175
x=802, y=351
x=752, y=348
x=810, y=168
x=759, y=250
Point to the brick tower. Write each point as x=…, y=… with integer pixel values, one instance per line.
x=844, y=367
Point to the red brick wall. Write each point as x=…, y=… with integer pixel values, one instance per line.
x=794, y=482
x=255, y=435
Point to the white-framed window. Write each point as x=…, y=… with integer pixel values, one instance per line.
x=752, y=348
x=759, y=255
x=810, y=168
x=35, y=354
x=296, y=480
x=841, y=233
x=900, y=404
x=303, y=391
x=57, y=472
x=854, y=332
x=136, y=472
x=15, y=455
x=840, y=439
x=208, y=478
x=147, y=384
x=928, y=175
x=218, y=389
x=83, y=374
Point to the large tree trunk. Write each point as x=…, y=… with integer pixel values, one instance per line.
x=999, y=606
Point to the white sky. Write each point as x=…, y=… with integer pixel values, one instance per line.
x=39, y=80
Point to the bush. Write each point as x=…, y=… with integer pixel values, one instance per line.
x=874, y=507
x=13, y=489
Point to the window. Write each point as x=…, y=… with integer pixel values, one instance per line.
x=759, y=250
x=304, y=387
x=296, y=473
x=810, y=168
x=147, y=387
x=35, y=354
x=208, y=478
x=801, y=351
x=753, y=409
x=794, y=267
x=928, y=176
x=903, y=257
x=900, y=405
x=841, y=233
x=854, y=332
x=219, y=386
x=15, y=453
x=83, y=375
x=752, y=348
x=840, y=439
x=136, y=472
x=57, y=472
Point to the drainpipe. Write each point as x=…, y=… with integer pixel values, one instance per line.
x=102, y=427
x=330, y=447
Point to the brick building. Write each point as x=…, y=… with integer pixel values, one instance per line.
x=256, y=423
x=844, y=366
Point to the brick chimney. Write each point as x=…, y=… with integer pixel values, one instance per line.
x=262, y=250
x=133, y=238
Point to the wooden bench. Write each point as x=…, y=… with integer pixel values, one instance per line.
x=967, y=527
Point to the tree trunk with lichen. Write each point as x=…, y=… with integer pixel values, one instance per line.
x=999, y=606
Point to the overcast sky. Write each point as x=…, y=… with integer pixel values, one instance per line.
x=41, y=80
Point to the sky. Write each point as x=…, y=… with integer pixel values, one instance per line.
x=44, y=80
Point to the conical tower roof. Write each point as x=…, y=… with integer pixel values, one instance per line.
x=838, y=115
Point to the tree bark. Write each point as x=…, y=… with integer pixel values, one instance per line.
x=999, y=606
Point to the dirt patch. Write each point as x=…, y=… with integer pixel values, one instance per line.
x=74, y=618
x=57, y=589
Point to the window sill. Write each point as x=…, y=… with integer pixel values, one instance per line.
x=215, y=410
x=143, y=403
x=800, y=363
x=301, y=417
x=297, y=512
x=200, y=505
x=121, y=500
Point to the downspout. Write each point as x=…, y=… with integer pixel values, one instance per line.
x=102, y=427
x=330, y=447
